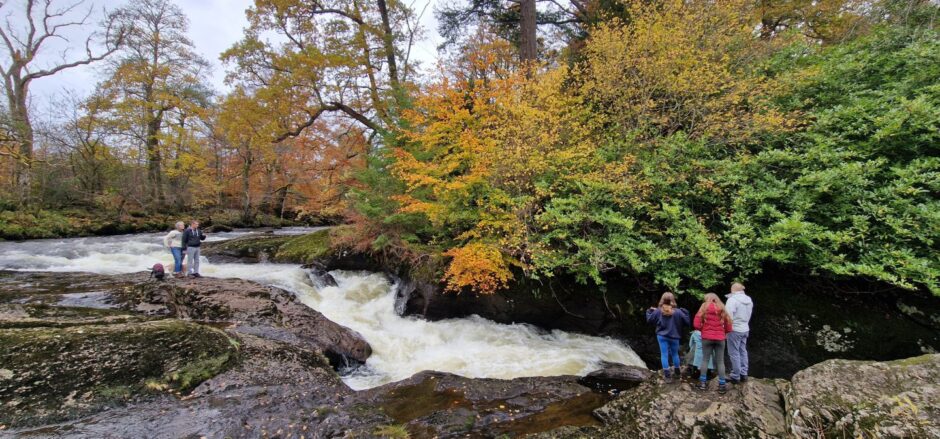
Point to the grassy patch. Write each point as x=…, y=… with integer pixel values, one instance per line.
x=392, y=431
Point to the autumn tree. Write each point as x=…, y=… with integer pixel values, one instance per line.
x=341, y=58
x=517, y=21
x=37, y=24
x=83, y=136
x=157, y=77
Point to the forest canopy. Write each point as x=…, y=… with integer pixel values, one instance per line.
x=680, y=143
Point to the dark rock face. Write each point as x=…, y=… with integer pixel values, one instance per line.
x=840, y=398
x=797, y=321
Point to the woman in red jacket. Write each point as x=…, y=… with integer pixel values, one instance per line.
x=714, y=322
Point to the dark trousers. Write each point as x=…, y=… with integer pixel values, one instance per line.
x=713, y=349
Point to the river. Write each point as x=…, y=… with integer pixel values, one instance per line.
x=402, y=346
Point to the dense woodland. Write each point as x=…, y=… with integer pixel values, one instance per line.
x=681, y=143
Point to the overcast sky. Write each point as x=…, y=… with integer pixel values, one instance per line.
x=214, y=25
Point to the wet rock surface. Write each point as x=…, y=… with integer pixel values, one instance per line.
x=437, y=404
x=615, y=377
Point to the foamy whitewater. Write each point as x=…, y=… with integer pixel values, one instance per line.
x=402, y=346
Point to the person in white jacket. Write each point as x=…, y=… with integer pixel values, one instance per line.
x=174, y=241
x=740, y=306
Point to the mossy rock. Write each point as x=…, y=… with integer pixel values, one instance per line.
x=54, y=373
x=305, y=249
x=251, y=248
x=302, y=249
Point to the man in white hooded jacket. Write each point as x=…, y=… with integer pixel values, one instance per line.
x=740, y=306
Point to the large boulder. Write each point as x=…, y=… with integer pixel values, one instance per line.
x=864, y=399
x=251, y=308
x=662, y=411
x=56, y=365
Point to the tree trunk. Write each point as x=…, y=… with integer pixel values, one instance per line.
x=281, y=200
x=23, y=129
x=388, y=40
x=528, y=48
x=268, y=194
x=155, y=162
x=246, y=189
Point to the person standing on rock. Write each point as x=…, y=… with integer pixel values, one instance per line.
x=739, y=307
x=174, y=241
x=670, y=322
x=192, y=239
x=714, y=322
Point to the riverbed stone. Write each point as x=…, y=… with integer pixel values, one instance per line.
x=615, y=377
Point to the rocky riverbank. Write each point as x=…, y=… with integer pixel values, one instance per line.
x=799, y=320
x=87, y=355
x=833, y=399
x=123, y=356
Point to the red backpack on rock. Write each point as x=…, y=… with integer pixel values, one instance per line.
x=157, y=271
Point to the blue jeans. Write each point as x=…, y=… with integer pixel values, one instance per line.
x=737, y=350
x=668, y=348
x=177, y=259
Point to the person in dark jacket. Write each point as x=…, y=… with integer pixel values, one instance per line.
x=192, y=239
x=670, y=322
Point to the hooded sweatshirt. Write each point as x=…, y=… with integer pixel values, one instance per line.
x=740, y=307
x=714, y=327
x=669, y=326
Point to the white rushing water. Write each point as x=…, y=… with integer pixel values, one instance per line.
x=402, y=346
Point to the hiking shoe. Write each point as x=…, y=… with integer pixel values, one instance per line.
x=196, y=275
x=722, y=389
x=743, y=378
x=702, y=385
x=677, y=373
x=734, y=381
x=667, y=379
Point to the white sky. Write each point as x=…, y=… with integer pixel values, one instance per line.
x=214, y=25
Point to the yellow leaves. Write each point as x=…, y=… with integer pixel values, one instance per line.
x=680, y=66
x=478, y=266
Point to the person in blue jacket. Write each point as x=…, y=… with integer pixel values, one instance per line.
x=670, y=322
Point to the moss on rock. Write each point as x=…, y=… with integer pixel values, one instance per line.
x=52, y=373
x=305, y=249
x=302, y=249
